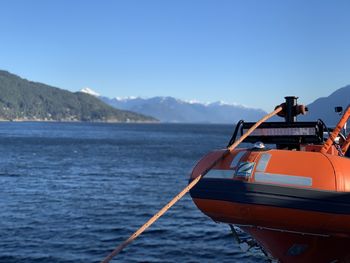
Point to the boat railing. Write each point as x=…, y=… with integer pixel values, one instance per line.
x=282, y=134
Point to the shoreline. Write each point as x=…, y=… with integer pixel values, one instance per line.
x=75, y=121
x=115, y=122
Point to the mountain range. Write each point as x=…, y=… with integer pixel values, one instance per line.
x=169, y=109
x=23, y=100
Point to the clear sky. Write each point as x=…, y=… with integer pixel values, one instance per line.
x=249, y=52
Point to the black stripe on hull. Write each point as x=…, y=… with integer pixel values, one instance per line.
x=272, y=195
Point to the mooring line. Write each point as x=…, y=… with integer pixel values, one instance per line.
x=154, y=218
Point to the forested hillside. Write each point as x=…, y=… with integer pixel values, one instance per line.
x=21, y=99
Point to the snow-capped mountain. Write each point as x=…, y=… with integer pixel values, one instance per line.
x=90, y=91
x=169, y=109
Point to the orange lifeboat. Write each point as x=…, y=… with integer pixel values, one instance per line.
x=289, y=188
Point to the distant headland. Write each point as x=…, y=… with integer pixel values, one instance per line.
x=23, y=100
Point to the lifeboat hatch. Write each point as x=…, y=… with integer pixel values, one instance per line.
x=244, y=170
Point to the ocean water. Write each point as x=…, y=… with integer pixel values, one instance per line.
x=71, y=192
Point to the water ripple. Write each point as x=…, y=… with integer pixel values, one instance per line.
x=71, y=192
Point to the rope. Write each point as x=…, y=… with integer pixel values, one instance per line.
x=336, y=145
x=345, y=145
x=336, y=131
x=154, y=218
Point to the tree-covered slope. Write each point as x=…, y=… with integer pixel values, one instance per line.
x=21, y=99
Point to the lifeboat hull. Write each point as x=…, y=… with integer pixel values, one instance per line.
x=291, y=247
x=274, y=207
x=296, y=215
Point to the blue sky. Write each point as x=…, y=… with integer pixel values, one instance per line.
x=249, y=52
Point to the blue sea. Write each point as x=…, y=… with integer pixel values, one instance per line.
x=71, y=192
